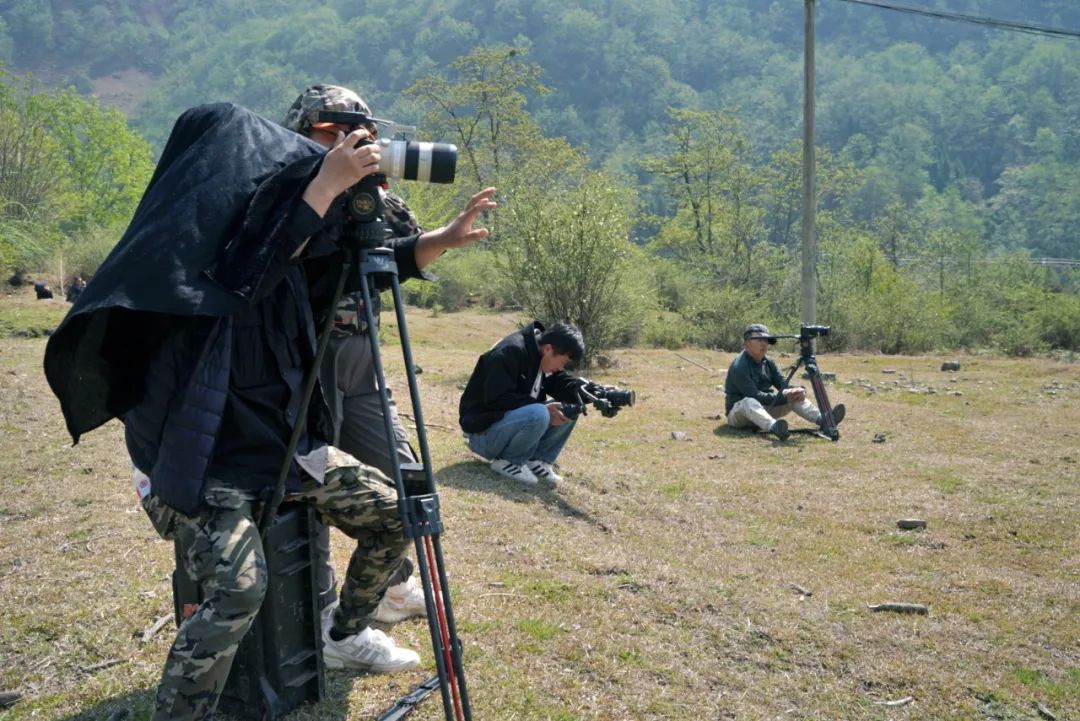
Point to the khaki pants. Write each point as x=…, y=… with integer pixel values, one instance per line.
x=749, y=412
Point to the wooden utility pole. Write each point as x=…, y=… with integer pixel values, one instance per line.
x=809, y=198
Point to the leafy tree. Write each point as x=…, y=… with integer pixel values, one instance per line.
x=108, y=165
x=782, y=188
x=32, y=182
x=567, y=256
x=709, y=176
x=483, y=109
x=67, y=165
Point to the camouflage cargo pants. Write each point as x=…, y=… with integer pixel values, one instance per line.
x=223, y=551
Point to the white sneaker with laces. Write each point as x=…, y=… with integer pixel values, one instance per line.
x=400, y=602
x=521, y=474
x=544, y=472
x=370, y=650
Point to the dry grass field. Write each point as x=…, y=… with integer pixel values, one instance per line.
x=722, y=576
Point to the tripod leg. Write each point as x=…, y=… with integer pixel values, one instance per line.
x=444, y=608
x=827, y=424
x=436, y=593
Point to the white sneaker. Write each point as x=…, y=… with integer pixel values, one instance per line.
x=327, y=619
x=370, y=650
x=544, y=472
x=521, y=474
x=400, y=602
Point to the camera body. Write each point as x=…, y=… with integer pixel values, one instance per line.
x=606, y=399
x=573, y=410
x=813, y=331
x=405, y=159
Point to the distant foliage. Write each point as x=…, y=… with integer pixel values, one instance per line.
x=947, y=162
x=567, y=256
x=69, y=168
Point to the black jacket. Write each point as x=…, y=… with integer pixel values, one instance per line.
x=150, y=339
x=747, y=379
x=503, y=380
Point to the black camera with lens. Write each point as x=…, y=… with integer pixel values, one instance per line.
x=606, y=399
x=405, y=159
x=573, y=410
x=813, y=331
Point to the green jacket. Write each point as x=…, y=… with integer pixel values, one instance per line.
x=747, y=379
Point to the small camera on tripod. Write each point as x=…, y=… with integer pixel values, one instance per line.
x=807, y=332
x=606, y=399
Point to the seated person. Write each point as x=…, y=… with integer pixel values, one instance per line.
x=42, y=290
x=505, y=410
x=74, y=289
x=751, y=400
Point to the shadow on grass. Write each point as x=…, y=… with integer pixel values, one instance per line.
x=138, y=705
x=474, y=475
x=753, y=434
x=132, y=706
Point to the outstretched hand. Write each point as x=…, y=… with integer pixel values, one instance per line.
x=460, y=231
x=457, y=233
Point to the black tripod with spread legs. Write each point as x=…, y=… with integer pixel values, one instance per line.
x=418, y=502
x=806, y=336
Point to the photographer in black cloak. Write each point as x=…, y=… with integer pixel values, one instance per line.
x=197, y=333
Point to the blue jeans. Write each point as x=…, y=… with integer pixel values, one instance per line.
x=524, y=434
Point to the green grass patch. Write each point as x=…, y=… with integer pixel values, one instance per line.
x=1053, y=689
x=538, y=629
x=760, y=541
x=945, y=480
x=632, y=657
x=21, y=319
x=471, y=627
x=902, y=539
x=547, y=589
x=672, y=490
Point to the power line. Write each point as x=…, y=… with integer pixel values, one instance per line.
x=953, y=260
x=973, y=19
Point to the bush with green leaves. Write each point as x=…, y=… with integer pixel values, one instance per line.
x=69, y=167
x=566, y=256
x=464, y=278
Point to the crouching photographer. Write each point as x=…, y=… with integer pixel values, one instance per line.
x=520, y=405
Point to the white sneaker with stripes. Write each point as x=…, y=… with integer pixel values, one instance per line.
x=370, y=650
x=521, y=474
x=545, y=473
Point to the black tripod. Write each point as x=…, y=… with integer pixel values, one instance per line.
x=806, y=358
x=418, y=502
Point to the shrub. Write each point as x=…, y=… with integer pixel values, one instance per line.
x=567, y=256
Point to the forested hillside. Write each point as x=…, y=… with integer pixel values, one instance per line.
x=947, y=147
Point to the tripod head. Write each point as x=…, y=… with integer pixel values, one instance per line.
x=364, y=227
x=806, y=336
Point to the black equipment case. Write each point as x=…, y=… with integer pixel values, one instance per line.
x=279, y=663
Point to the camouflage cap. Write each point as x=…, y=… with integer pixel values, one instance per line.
x=304, y=112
